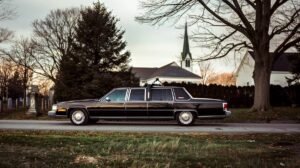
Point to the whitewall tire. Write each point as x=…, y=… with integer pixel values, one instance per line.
x=79, y=117
x=185, y=118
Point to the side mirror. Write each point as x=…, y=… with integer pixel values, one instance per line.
x=107, y=99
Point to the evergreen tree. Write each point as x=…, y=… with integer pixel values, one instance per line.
x=15, y=86
x=99, y=61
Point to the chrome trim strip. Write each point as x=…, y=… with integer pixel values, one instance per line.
x=211, y=116
x=133, y=117
x=107, y=117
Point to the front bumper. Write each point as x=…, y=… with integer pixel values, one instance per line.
x=55, y=114
x=52, y=113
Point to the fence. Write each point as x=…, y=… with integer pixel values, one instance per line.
x=243, y=96
x=43, y=104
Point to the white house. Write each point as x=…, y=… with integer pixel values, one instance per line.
x=169, y=73
x=280, y=70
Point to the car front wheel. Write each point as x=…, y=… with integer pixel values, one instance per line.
x=79, y=117
x=185, y=118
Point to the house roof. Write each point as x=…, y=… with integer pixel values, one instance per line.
x=169, y=70
x=283, y=63
x=143, y=73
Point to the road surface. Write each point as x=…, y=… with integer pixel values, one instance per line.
x=150, y=126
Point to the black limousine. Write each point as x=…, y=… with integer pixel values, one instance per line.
x=161, y=102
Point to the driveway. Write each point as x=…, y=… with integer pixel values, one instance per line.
x=150, y=126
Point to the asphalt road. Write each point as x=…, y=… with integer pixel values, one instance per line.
x=150, y=126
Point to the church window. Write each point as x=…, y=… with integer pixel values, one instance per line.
x=187, y=63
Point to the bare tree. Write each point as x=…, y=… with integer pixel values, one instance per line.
x=224, y=79
x=6, y=13
x=20, y=54
x=6, y=71
x=206, y=71
x=52, y=40
x=228, y=26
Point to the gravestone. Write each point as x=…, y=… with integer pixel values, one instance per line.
x=9, y=103
x=33, y=90
x=51, y=96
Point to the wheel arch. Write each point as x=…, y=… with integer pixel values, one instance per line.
x=193, y=111
x=71, y=108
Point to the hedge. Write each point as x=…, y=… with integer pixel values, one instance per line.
x=243, y=96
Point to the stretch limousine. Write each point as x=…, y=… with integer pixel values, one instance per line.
x=160, y=102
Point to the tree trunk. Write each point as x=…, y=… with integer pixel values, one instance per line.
x=25, y=79
x=262, y=74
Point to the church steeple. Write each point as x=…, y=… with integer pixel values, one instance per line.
x=186, y=47
x=186, y=56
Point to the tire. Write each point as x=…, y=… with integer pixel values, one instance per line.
x=185, y=118
x=79, y=117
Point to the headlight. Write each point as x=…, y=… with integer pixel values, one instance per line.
x=54, y=107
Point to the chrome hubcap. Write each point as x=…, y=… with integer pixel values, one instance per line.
x=185, y=117
x=78, y=117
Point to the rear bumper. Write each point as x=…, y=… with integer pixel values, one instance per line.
x=227, y=113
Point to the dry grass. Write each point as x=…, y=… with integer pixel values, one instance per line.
x=90, y=149
x=277, y=114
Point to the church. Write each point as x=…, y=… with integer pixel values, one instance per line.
x=171, y=72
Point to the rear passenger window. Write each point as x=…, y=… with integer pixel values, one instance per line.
x=161, y=95
x=181, y=94
x=137, y=95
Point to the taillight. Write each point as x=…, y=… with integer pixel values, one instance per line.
x=225, y=106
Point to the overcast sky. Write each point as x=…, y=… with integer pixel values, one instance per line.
x=150, y=46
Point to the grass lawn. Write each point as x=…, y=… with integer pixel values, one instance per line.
x=285, y=114
x=90, y=149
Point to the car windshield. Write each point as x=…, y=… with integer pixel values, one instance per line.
x=117, y=95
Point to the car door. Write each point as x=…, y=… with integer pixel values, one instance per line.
x=112, y=105
x=136, y=105
x=160, y=104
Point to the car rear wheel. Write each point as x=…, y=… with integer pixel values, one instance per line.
x=185, y=118
x=79, y=117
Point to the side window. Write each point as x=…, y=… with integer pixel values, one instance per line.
x=161, y=95
x=180, y=94
x=117, y=95
x=137, y=95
